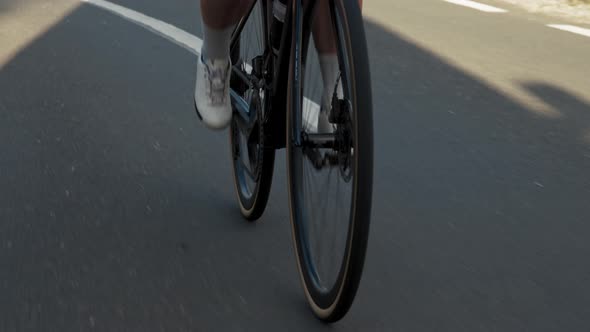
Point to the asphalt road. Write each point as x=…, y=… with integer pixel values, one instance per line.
x=117, y=210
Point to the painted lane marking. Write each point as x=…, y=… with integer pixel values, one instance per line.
x=571, y=28
x=188, y=41
x=168, y=31
x=478, y=6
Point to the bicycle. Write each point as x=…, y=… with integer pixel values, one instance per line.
x=330, y=251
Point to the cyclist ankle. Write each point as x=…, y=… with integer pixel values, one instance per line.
x=216, y=42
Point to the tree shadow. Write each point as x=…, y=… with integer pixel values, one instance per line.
x=118, y=209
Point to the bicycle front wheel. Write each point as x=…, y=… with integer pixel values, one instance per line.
x=330, y=153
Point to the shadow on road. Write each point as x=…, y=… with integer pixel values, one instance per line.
x=118, y=213
x=6, y=5
x=576, y=111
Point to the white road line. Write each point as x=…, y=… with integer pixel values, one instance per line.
x=477, y=5
x=186, y=40
x=571, y=28
x=170, y=32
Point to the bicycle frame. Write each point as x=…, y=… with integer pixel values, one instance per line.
x=275, y=124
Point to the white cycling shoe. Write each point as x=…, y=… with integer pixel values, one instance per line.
x=212, y=98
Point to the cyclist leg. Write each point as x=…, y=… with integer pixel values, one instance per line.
x=212, y=101
x=323, y=36
x=219, y=17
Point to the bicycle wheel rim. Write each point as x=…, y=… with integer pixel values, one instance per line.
x=252, y=162
x=328, y=302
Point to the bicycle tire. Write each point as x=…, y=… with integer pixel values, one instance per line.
x=332, y=304
x=253, y=198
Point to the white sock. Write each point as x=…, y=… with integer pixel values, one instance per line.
x=216, y=42
x=330, y=74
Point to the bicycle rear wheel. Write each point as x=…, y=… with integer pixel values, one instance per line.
x=330, y=173
x=253, y=160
